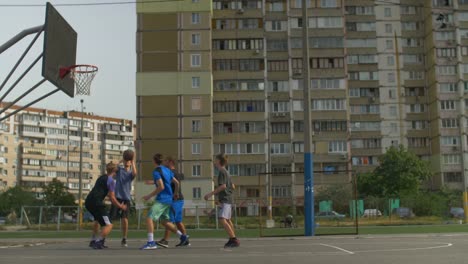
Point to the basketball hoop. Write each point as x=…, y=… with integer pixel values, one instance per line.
x=83, y=75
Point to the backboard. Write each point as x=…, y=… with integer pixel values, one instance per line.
x=60, y=42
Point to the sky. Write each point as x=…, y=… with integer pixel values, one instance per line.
x=106, y=38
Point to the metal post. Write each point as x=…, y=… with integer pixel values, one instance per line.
x=40, y=217
x=269, y=177
x=308, y=156
x=235, y=216
x=80, y=182
x=216, y=217
x=68, y=148
x=356, y=213
x=21, y=215
x=197, y=215
x=59, y=214
x=139, y=219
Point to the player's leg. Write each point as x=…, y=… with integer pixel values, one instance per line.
x=165, y=218
x=225, y=213
x=124, y=221
x=102, y=217
x=178, y=220
x=153, y=215
x=91, y=209
x=164, y=242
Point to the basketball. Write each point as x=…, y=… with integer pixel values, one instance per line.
x=128, y=155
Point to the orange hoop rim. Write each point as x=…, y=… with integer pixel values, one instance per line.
x=87, y=68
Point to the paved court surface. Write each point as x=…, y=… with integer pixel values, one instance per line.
x=424, y=249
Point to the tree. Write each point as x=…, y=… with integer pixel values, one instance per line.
x=400, y=172
x=14, y=198
x=56, y=194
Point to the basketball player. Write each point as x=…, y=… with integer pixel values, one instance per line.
x=104, y=186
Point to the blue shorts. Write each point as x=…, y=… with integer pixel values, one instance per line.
x=177, y=211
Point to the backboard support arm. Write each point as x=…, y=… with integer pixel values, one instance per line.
x=28, y=105
x=21, y=77
x=20, y=36
x=21, y=58
x=23, y=95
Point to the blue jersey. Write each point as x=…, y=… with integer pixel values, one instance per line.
x=164, y=197
x=123, y=188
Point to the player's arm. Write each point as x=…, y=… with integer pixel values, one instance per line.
x=176, y=187
x=114, y=201
x=159, y=188
x=134, y=170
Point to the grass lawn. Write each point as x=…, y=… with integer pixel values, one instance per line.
x=253, y=233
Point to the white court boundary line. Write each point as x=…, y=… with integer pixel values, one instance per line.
x=338, y=248
x=444, y=245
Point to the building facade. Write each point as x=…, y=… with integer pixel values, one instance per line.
x=228, y=78
x=38, y=145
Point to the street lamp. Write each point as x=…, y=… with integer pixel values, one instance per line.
x=80, y=182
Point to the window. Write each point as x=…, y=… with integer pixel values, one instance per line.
x=280, y=148
x=196, y=193
x=391, y=77
x=451, y=159
x=195, y=60
x=280, y=128
x=323, y=42
x=195, y=82
x=388, y=12
x=298, y=147
x=364, y=76
x=446, y=70
x=369, y=143
x=277, y=45
x=278, y=86
x=365, y=109
x=453, y=177
x=196, y=126
x=364, y=161
x=337, y=147
x=388, y=28
x=196, y=39
x=416, y=75
x=298, y=105
x=362, y=59
x=276, y=6
x=196, y=148
x=360, y=10
x=252, y=192
x=450, y=140
x=417, y=108
x=279, y=107
x=196, y=103
x=448, y=87
x=328, y=84
x=328, y=3
x=418, y=125
x=418, y=142
x=447, y=105
x=195, y=18
x=393, y=111
x=361, y=43
x=450, y=123
x=329, y=104
x=365, y=126
x=328, y=126
x=196, y=170
x=446, y=52
x=389, y=44
x=276, y=25
x=278, y=65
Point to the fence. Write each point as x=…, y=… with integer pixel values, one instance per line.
x=66, y=218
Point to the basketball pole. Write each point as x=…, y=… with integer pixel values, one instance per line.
x=309, y=221
x=20, y=36
x=80, y=181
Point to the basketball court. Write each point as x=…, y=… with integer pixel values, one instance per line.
x=427, y=249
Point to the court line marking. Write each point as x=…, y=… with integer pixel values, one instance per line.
x=444, y=245
x=338, y=248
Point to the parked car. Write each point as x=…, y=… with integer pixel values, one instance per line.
x=2, y=220
x=457, y=212
x=404, y=212
x=88, y=217
x=372, y=213
x=330, y=215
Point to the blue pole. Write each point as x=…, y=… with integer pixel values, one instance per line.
x=309, y=222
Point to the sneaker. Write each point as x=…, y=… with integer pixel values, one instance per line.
x=124, y=242
x=104, y=243
x=99, y=245
x=92, y=243
x=232, y=243
x=184, y=243
x=149, y=246
x=163, y=243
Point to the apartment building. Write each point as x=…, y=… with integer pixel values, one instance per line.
x=38, y=145
x=228, y=78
